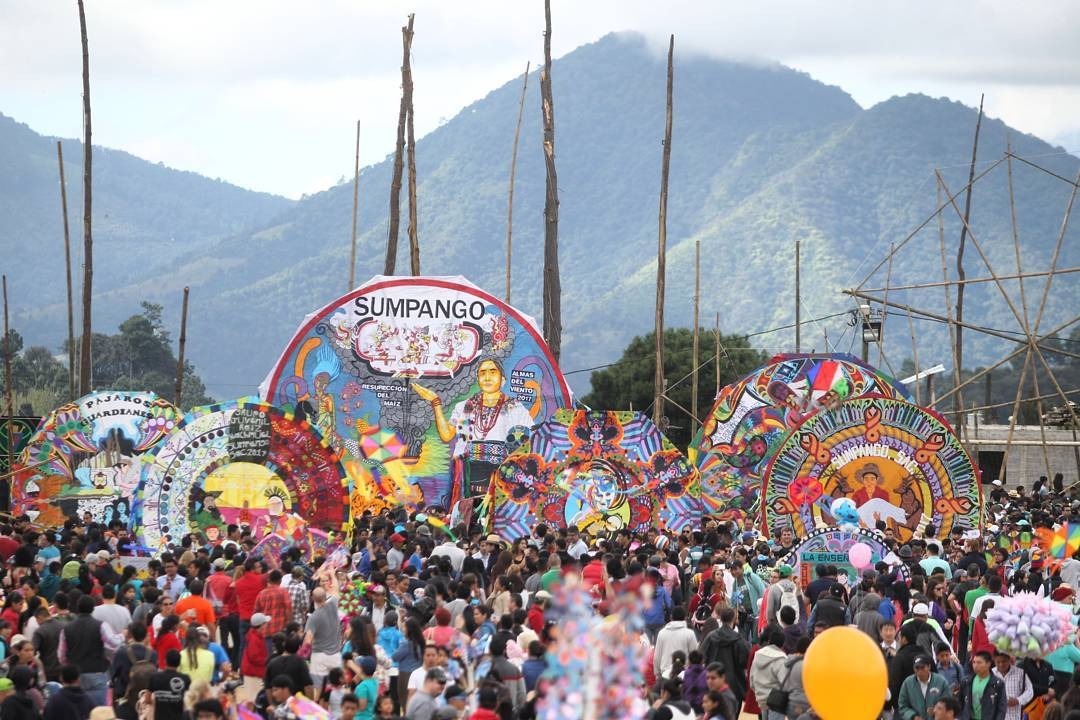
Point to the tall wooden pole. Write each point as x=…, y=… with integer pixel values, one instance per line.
x=399, y=155
x=960, y=264
x=8, y=402
x=67, y=266
x=355, y=211
x=717, y=334
x=552, y=281
x=798, y=300
x=85, y=361
x=661, y=245
x=513, y=171
x=957, y=374
x=182, y=345
x=694, y=373
x=407, y=90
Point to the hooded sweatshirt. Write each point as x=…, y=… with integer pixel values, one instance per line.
x=767, y=671
x=867, y=618
x=726, y=646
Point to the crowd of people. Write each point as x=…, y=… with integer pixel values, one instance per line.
x=458, y=623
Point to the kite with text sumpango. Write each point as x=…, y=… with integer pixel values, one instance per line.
x=595, y=471
x=86, y=457
x=880, y=459
x=426, y=383
x=750, y=418
x=246, y=463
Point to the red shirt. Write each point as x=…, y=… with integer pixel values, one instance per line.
x=248, y=587
x=274, y=600
x=8, y=546
x=253, y=664
x=168, y=641
x=217, y=588
x=535, y=619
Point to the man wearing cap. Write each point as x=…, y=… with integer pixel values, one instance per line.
x=394, y=556
x=920, y=612
x=787, y=587
x=422, y=704
x=921, y=691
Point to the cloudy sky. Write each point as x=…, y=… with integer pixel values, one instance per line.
x=266, y=93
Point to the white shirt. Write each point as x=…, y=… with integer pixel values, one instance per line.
x=577, y=549
x=452, y=551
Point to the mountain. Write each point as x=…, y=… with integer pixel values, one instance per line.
x=145, y=217
x=761, y=156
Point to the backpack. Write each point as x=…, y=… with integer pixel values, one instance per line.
x=138, y=665
x=701, y=616
x=790, y=598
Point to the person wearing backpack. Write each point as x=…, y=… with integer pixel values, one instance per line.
x=784, y=593
x=134, y=654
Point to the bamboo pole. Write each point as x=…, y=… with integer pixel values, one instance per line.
x=957, y=375
x=959, y=338
x=717, y=334
x=395, y=180
x=355, y=211
x=552, y=281
x=661, y=245
x=182, y=345
x=67, y=266
x=881, y=329
x=85, y=356
x=975, y=281
x=1027, y=319
x=9, y=403
x=510, y=194
x=914, y=356
x=798, y=303
x=407, y=89
x=697, y=304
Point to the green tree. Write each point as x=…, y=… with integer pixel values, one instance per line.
x=628, y=383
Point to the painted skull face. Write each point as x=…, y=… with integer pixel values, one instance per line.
x=603, y=492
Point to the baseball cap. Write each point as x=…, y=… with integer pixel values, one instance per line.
x=259, y=619
x=1061, y=593
x=785, y=571
x=219, y=564
x=922, y=661
x=920, y=609
x=397, y=538
x=367, y=664
x=104, y=555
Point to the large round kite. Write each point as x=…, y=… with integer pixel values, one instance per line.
x=750, y=418
x=242, y=462
x=428, y=383
x=899, y=464
x=596, y=471
x=86, y=457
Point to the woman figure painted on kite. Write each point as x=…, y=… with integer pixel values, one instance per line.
x=481, y=428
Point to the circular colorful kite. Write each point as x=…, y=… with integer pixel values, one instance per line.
x=899, y=463
x=428, y=383
x=242, y=462
x=596, y=471
x=750, y=419
x=86, y=457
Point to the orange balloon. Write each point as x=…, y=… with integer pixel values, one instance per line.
x=844, y=675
